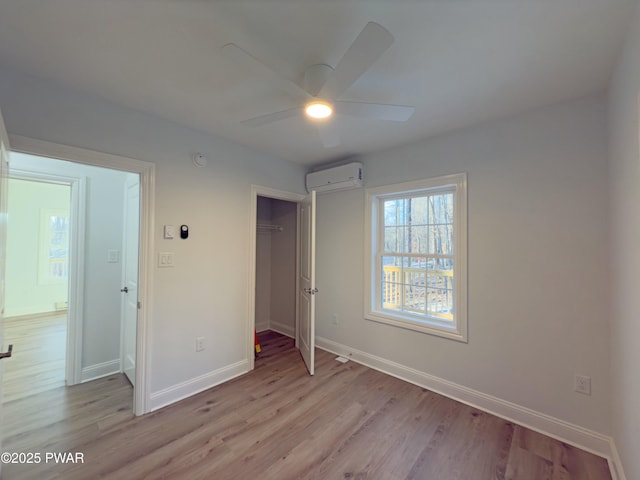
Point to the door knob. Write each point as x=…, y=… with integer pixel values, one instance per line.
x=125, y=290
x=7, y=354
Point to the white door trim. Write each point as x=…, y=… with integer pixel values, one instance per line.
x=259, y=191
x=146, y=170
x=73, y=355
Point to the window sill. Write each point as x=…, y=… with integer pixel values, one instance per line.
x=415, y=325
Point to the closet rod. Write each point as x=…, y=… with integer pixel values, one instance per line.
x=262, y=226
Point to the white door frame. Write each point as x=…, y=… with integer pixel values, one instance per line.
x=146, y=170
x=73, y=356
x=259, y=191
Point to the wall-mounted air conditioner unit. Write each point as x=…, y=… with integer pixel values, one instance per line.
x=341, y=177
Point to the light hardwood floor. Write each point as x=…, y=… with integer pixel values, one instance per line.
x=38, y=361
x=346, y=422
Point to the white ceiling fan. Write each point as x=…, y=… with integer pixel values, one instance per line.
x=323, y=85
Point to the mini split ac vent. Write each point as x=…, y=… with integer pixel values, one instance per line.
x=342, y=177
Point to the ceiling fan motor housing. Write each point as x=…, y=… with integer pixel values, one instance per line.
x=315, y=77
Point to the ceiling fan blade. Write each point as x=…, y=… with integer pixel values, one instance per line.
x=393, y=113
x=261, y=70
x=272, y=117
x=368, y=46
x=329, y=134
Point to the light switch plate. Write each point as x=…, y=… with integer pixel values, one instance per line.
x=165, y=259
x=169, y=232
x=113, y=256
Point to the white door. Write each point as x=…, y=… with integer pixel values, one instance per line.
x=130, y=278
x=4, y=172
x=307, y=281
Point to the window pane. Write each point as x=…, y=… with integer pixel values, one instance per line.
x=59, y=247
x=404, y=243
x=391, y=241
x=442, y=264
x=396, y=239
x=440, y=239
x=395, y=212
x=391, y=283
x=446, y=233
x=440, y=278
x=440, y=303
x=389, y=209
x=419, y=224
x=418, y=285
x=441, y=208
x=414, y=299
x=402, y=212
x=417, y=239
x=419, y=210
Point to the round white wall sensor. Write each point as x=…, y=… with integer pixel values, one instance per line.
x=199, y=160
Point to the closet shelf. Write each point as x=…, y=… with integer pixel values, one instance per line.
x=263, y=227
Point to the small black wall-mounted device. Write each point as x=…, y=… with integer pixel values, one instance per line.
x=184, y=231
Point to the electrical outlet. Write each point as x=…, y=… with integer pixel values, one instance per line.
x=334, y=319
x=582, y=384
x=199, y=344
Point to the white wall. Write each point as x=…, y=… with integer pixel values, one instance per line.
x=283, y=267
x=625, y=251
x=537, y=250
x=104, y=207
x=26, y=294
x=206, y=293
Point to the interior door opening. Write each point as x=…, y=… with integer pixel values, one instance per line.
x=37, y=291
x=276, y=263
x=103, y=244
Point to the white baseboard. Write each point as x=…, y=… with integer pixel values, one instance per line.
x=129, y=362
x=262, y=326
x=615, y=464
x=282, y=328
x=99, y=370
x=28, y=311
x=575, y=435
x=172, y=394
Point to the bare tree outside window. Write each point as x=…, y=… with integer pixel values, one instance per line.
x=417, y=260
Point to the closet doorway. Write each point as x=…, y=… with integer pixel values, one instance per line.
x=275, y=229
x=276, y=240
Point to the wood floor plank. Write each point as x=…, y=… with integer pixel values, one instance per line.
x=38, y=361
x=279, y=423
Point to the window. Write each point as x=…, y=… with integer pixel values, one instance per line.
x=416, y=263
x=53, y=261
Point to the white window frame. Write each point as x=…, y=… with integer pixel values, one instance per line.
x=457, y=329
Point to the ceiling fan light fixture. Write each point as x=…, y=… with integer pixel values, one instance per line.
x=318, y=109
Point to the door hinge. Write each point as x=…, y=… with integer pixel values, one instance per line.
x=139, y=305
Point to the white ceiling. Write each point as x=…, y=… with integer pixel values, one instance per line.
x=458, y=62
